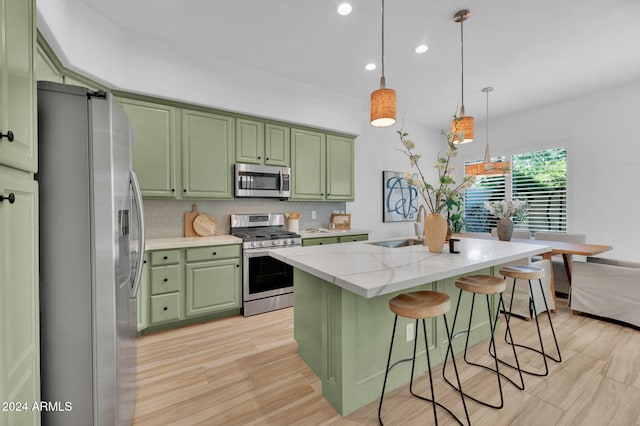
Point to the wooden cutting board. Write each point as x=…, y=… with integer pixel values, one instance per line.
x=205, y=225
x=189, y=217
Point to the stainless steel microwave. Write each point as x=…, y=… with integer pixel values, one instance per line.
x=253, y=180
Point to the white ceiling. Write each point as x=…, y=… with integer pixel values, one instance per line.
x=533, y=53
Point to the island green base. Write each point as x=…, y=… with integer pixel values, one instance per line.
x=344, y=338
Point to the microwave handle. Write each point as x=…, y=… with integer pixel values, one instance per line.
x=281, y=181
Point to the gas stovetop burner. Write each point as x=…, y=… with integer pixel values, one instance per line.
x=263, y=230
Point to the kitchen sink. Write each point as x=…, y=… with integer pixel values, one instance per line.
x=398, y=243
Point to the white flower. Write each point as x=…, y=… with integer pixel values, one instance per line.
x=409, y=144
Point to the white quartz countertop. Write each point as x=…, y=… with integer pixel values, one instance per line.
x=186, y=242
x=323, y=232
x=369, y=270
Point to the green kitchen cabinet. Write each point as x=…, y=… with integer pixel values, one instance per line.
x=340, y=163
x=18, y=116
x=308, y=159
x=19, y=296
x=189, y=285
x=320, y=241
x=262, y=143
x=207, y=155
x=249, y=141
x=212, y=286
x=322, y=166
x=156, y=147
x=213, y=280
x=45, y=68
x=352, y=238
x=277, y=145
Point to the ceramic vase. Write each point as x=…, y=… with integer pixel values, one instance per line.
x=435, y=232
x=505, y=229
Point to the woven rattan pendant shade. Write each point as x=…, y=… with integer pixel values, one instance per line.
x=462, y=126
x=383, y=107
x=383, y=100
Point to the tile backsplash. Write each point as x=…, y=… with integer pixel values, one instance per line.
x=165, y=218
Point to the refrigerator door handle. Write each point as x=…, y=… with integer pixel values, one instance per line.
x=137, y=195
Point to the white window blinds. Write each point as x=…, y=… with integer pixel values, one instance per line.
x=539, y=178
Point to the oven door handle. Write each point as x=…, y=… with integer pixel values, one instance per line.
x=264, y=252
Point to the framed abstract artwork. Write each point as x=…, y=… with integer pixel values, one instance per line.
x=399, y=199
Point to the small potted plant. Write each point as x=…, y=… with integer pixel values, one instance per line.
x=504, y=210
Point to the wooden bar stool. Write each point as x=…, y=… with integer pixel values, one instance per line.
x=479, y=285
x=420, y=305
x=528, y=272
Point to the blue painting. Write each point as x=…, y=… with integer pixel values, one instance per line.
x=399, y=199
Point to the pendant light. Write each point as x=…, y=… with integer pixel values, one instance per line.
x=461, y=124
x=383, y=100
x=488, y=167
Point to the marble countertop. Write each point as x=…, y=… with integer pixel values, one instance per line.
x=369, y=270
x=323, y=232
x=186, y=242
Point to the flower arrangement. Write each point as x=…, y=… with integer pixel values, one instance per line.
x=504, y=209
x=445, y=193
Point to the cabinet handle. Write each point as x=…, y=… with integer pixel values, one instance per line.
x=319, y=244
x=165, y=308
x=144, y=261
x=259, y=158
x=184, y=190
x=8, y=135
x=165, y=280
x=214, y=253
x=165, y=258
x=173, y=190
x=11, y=198
x=237, y=266
x=267, y=158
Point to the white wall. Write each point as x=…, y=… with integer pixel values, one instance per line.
x=377, y=150
x=87, y=43
x=603, y=153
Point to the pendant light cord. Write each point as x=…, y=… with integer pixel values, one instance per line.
x=382, y=79
x=462, y=63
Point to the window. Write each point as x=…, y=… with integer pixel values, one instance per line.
x=539, y=178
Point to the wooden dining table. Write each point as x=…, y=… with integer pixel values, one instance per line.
x=564, y=248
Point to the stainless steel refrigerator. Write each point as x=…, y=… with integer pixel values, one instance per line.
x=91, y=252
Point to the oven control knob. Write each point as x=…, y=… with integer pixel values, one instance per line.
x=274, y=242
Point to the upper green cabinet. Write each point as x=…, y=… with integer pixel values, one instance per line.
x=340, y=161
x=308, y=159
x=262, y=143
x=249, y=141
x=207, y=155
x=322, y=166
x=155, y=135
x=18, y=147
x=181, y=153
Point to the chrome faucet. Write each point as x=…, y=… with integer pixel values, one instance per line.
x=419, y=225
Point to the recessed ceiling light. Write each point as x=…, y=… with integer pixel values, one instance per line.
x=422, y=48
x=344, y=9
x=370, y=67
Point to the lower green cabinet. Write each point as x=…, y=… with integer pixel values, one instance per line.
x=334, y=240
x=212, y=286
x=183, y=286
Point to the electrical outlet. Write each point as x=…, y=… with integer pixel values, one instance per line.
x=313, y=214
x=410, y=332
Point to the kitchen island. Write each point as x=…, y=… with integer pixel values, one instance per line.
x=342, y=322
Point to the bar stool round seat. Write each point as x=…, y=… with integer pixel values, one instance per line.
x=522, y=272
x=486, y=285
x=529, y=273
x=481, y=284
x=419, y=306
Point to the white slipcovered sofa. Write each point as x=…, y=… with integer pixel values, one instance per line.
x=607, y=288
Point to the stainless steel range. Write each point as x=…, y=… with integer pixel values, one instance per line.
x=267, y=283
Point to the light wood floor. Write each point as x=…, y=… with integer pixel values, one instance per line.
x=246, y=371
